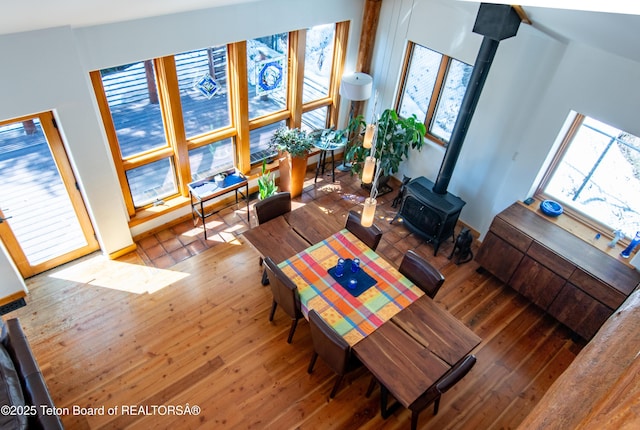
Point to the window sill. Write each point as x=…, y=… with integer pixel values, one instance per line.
x=168, y=206
x=580, y=228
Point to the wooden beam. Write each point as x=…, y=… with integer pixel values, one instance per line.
x=521, y=13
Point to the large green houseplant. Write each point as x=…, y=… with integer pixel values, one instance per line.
x=395, y=136
x=293, y=146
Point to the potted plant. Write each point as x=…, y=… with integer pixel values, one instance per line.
x=266, y=183
x=395, y=136
x=293, y=147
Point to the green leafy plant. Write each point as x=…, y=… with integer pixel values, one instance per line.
x=291, y=140
x=266, y=182
x=395, y=136
x=329, y=136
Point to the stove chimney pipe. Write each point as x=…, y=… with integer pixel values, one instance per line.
x=495, y=22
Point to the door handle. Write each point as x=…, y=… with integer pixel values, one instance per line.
x=4, y=219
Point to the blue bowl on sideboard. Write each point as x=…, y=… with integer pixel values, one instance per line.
x=551, y=208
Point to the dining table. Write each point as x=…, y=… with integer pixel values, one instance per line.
x=405, y=339
x=288, y=234
x=414, y=349
x=353, y=311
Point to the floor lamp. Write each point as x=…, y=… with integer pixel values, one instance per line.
x=355, y=88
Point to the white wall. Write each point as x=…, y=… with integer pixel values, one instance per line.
x=49, y=70
x=533, y=84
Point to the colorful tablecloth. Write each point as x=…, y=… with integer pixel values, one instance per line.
x=352, y=317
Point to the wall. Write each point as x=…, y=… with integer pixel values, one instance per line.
x=534, y=83
x=48, y=70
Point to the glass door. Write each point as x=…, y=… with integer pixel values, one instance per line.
x=43, y=220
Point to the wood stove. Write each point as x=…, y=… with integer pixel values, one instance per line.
x=430, y=215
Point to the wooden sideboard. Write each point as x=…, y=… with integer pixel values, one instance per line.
x=570, y=279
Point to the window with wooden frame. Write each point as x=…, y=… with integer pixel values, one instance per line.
x=595, y=175
x=176, y=119
x=432, y=88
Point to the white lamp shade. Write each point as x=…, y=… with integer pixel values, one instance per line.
x=368, y=212
x=368, y=169
x=356, y=87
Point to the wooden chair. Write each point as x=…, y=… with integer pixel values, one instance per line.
x=369, y=235
x=273, y=206
x=332, y=348
x=431, y=395
x=422, y=273
x=285, y=294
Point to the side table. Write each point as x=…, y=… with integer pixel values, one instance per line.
x=324, y=147
x=207, y=189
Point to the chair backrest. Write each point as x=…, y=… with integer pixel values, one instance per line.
x=285, y=292
x=422, y=273
x=457, y=372
x=328, y=344
x=273, y=206
x=369, y=235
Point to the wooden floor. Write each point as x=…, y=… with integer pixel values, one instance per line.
x=121, y=334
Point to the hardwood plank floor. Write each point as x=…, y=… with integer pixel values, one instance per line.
x=124, y=334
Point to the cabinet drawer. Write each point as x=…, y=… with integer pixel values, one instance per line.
x=579, y=311
x=510, y=234
x=536, y=282
x=498, y=257
x=597, y=289
x=551, y=260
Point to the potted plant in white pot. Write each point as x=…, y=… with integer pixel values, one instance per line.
x=293, y=147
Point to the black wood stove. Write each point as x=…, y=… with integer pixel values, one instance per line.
x=430, y=215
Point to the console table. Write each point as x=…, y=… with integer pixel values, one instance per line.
x=570, y=279
x=207, y=189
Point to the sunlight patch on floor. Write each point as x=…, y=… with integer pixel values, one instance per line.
x=100, y=271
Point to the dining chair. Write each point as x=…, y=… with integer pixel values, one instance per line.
x=273, y=206
x=332, y=348
x=422, y=273
x=431, y=395
x=285, y=294
x=369, y=235
x=268, y=209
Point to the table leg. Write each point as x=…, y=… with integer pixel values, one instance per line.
x=385, y=410
x=333, y=167
x=202, y=217
x=246, y=199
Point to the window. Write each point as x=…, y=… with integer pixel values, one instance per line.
x=433, y=86
x=185, y=117
x=317, y=62
x=596, y=173
x=267, y=59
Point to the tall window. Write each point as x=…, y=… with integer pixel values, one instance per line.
x=176, y=119
x=433, y=86
x=596, y=173
x=267, y=74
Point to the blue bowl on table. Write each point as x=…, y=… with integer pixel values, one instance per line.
x=551, y=208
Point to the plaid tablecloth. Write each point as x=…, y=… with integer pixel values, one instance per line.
x=352, y=317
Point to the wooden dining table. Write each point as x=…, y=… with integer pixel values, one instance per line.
x=354, y=313
x=288, y=234
x=402, y=336
x=414, y=349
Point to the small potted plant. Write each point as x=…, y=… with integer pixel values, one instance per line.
x=293, y=147
x=266, y=183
